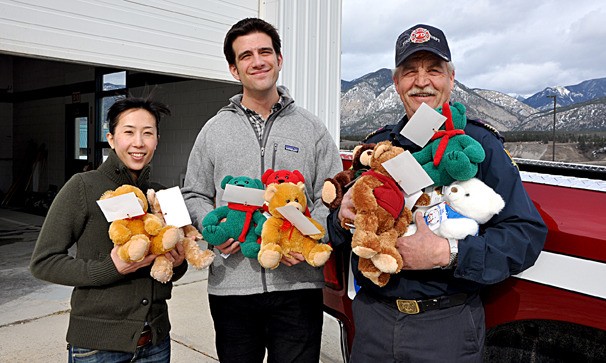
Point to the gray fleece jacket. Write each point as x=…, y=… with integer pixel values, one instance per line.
x=293, y=138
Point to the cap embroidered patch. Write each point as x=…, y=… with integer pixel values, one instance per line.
x=420, y=35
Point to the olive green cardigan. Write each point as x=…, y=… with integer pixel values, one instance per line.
x=108, y=310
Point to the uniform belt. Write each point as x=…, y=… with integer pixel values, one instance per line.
x=145, y=338
x=420, y=306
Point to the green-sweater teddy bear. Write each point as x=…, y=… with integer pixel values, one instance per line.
x=451, y=155
x=243, y=223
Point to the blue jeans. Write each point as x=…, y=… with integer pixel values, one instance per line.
x=146, y=354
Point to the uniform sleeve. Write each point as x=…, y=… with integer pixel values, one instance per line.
x=339, y=236
x=199, y=188
x=63, y=226
x=328, y=164
x=511, y=241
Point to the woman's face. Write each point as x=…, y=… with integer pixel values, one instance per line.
x=135, y=138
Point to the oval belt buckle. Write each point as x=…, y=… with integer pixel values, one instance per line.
x=408, y=306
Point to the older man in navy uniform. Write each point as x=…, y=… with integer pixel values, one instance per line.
x=431, y=311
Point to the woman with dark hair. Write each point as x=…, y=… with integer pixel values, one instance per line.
x=118, y=312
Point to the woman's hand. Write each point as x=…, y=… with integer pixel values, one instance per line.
x=124, y=267
x=176, y=255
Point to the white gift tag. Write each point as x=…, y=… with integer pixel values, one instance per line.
x=246, y=196
x=121, y=207
x=407, y=172
x=173, y=207
x=298, y=219
x=422, y=125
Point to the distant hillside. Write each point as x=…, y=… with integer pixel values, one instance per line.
x=370, y=102
x=568, y=95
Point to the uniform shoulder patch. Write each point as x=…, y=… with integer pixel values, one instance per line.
x=488, y=127
x=377, y=131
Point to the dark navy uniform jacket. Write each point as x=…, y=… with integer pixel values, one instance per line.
x=506, y=245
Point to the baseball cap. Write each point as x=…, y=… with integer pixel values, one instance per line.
x=421, y=37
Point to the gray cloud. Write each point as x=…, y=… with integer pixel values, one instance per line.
x=517, y=46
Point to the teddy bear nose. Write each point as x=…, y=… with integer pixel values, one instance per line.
x=296, y=205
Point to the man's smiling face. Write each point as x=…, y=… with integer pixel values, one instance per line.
x=423, y=78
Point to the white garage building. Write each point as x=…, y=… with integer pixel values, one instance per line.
x=62, y=63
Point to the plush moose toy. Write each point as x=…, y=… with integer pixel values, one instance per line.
x=334, y=188
x=451, y=155
x=162, y=268
x=238, y=221
x=279, y=237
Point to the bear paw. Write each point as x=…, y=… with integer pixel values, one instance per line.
x=270, y=256
x=215, y=235
x=319, y=255
x=137, y=247
x=250, y=249
x=329, y=195
x=196, y=256
x=162, y=269
x=170, y=238
x=386, y=263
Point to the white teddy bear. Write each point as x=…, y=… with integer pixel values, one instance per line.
x=468, y=204
x=475, y=201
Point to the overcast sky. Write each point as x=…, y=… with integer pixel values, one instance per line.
x=512, y=46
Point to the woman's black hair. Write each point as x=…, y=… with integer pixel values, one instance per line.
x=157, y=109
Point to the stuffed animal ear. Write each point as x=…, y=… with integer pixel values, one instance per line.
x=301, y=186
x=299, y=175
x=257, y=184
x=460, y=107
x=226, y=180
x=266, y=175
x=107, y=194
x=270, y=192
x=380, y=149
x=355, y=150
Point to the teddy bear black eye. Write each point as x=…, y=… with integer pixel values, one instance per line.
x=297, y=200
x=467, y=194
x=287, y=200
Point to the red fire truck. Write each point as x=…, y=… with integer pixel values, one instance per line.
x=556, y=310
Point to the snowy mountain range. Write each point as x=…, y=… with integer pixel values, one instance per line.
x=371, y=101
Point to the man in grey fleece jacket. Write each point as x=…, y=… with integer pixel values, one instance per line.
x=253, y=308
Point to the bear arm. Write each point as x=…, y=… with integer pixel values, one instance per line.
x=214, y=216
x=473, y=149
x=362, y=196
x=271, y=230
x=425, y=155
x=259, y=219
x=317, y=236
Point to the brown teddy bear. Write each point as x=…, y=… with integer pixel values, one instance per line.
x=334, y=188
x=279, y=237
x=134, y=235
x=381, y=217
x=162, y=269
